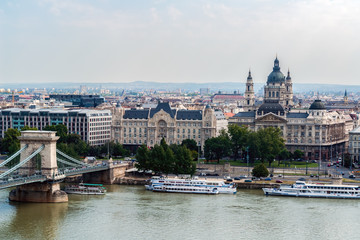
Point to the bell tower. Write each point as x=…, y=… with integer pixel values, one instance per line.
x=288, y=96
x=249, y=94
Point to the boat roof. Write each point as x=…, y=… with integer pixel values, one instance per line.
x=323, y=184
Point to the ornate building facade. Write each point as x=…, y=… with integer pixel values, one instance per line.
x=278, y=88
x=148, y=126
x=308, y=130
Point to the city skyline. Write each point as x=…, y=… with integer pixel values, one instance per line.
x=177, y=41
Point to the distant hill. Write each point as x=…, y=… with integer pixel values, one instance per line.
x=228, y=87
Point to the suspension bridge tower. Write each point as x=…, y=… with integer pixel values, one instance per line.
x=43, y=143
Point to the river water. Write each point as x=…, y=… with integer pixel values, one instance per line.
x=130, y=212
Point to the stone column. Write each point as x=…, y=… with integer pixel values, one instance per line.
x=34, y=140
x=44, y=192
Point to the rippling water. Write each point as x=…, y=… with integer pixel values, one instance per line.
x=130, y=212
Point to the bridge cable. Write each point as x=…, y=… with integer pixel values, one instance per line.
x=23, y=161
x=66, y=162
x=13, y=156
x=70, y=158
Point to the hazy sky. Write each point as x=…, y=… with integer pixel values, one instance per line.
x=178, y=41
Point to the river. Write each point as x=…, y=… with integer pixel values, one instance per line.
x=130, y=212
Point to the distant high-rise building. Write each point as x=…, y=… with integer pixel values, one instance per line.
x=204, y=91
x=83, y=89
x=79, y=100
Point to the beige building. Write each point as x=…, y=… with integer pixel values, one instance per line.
x=149, y=126
x=308, y=130
x=354, y=144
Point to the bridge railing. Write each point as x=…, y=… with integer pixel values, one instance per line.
x=12, y=182
x=87, y=169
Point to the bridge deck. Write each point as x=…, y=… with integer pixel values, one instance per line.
x=12, y=181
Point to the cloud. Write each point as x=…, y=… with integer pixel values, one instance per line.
x=155, y=15
x=174, y=13
x=59, y=7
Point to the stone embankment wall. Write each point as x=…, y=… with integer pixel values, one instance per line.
x=253, y=185
x=130, y=181
x=227, y=169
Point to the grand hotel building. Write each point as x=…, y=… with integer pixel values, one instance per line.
x=133, y=128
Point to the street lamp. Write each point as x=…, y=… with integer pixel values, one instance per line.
x=307, y=167
x=283, y=168
x=247, y=160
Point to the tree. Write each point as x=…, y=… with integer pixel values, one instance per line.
x=11, y=143
x=271, y=142
x=260, y=171
x=61, y=131
x=143, y=158
x=157, y=159
x=217, y=147
x=298, y=154
x=119, y=150
x=183, y=160
x=25, y=128
x=163, y=144
x=173, y=159
x=238, y=137
x=253, y=144
x=347, y=160
x=284, y=154
x=190, y=144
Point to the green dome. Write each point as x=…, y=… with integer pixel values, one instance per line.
x=276, y=76
x=317, y=105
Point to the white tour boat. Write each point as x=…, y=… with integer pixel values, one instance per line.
x=86, y=189
x=303, y=189
x=175, y=182
x=185, y=189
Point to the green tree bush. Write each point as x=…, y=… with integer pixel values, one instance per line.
x=260, y=170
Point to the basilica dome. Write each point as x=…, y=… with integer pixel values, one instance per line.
x=276, y=76
x=317, y=105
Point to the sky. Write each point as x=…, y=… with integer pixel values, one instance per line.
x=178, y=41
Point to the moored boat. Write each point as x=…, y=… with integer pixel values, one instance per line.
x=303, y=189
x=170, y=183
x=85, y=189
x=185, y=189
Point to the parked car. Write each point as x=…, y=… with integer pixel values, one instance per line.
x=268, y=179
x=279, y=181
x=302, y=179
x=311, y=175
x=352, y=176
x=248, y=180
x=280, y=175
x=229, y=180
x=237, y=178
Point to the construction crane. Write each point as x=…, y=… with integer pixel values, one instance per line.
x=13, y=96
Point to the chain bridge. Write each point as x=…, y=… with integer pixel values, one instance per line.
x=42, y=167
